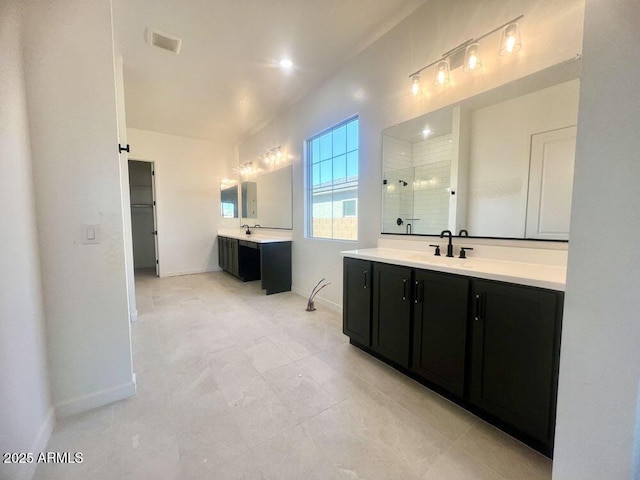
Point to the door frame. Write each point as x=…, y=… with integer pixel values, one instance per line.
x=154, y=209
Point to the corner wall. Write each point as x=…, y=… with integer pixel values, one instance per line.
x=69, y=71
x=375, y=85
x=26, y=415
x=187, y=180
x=596, y=435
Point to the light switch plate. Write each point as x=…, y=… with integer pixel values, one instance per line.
x=90, y=234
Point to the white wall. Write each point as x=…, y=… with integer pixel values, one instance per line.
x=375, y=85
x=600, y=360
x=69, y=67
x=187, y=178
x=26, y=417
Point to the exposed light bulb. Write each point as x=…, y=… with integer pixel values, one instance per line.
x=442, y=73
x=415, y=84
x=472, y=58
x=510, y=40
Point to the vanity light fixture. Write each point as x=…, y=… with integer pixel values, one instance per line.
x=247, y=169
x=272, y=157
x=467, y=55
x=472, y=58
x=442, y=75
x=415, y=84
x=510, y=40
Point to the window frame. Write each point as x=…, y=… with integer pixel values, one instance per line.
x=308, y=180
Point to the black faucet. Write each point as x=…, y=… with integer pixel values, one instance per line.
x=450, y=246
x=248, y=232
x=463, y=233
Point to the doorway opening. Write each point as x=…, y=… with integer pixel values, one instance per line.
x=144, y=230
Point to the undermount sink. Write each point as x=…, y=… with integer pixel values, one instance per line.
x=444, y=261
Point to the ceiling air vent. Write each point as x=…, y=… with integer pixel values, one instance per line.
x=163, y=40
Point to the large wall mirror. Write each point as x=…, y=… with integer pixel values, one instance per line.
x=229, y=199
x=499, y=164
x=267, y=200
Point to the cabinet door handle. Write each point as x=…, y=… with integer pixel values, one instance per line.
x=365, y=279
x=476, y=316
x=415, y=291
x=404, y=289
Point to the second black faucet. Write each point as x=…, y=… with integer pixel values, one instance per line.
x=450, y=245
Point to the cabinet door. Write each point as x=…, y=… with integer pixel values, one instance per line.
x=392, y=312
x=440, y=328
x=221, y=252
x=275, y=264
x=356, y=309
x=233, y=257
x=515, y=354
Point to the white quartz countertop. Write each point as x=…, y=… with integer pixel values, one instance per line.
x=531, y=274
x=254, y=237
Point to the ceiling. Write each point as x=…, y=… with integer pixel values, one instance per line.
x=226, y=82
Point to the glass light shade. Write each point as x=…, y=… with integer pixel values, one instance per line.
x=442, y=75
x=472, y=58
x=510, y=41
x=415, y=84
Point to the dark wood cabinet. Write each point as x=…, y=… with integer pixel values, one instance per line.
x=392, y=312
x=249, y=261
x=275, y=267
x=515, y=354
x=228, y=255
x=494, y=346
x=440, y=314
x=356, y=310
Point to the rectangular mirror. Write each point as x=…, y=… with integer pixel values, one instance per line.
x=229, y=199
x=498, y=165
x=267, y=199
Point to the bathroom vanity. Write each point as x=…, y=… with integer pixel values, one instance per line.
x=485, y=333
x=257, y=257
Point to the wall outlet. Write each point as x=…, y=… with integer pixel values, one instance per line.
x=90, y=234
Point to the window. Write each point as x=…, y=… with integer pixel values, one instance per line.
x=332, y=166
x=229, y=210
x=349, y=208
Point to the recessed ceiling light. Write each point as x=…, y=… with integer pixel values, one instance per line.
x=286, y=63
x=426, y=132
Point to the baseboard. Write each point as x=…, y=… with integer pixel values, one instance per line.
x=95, y=400
x=27, y=471
x=189, y=272
x=319, y=300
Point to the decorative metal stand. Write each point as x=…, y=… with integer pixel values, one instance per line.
x=310, y=305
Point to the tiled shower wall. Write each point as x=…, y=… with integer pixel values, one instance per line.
x=432, y=181
x=426, y=167
x=398, y=199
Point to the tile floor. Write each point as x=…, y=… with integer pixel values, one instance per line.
x=233, y=384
